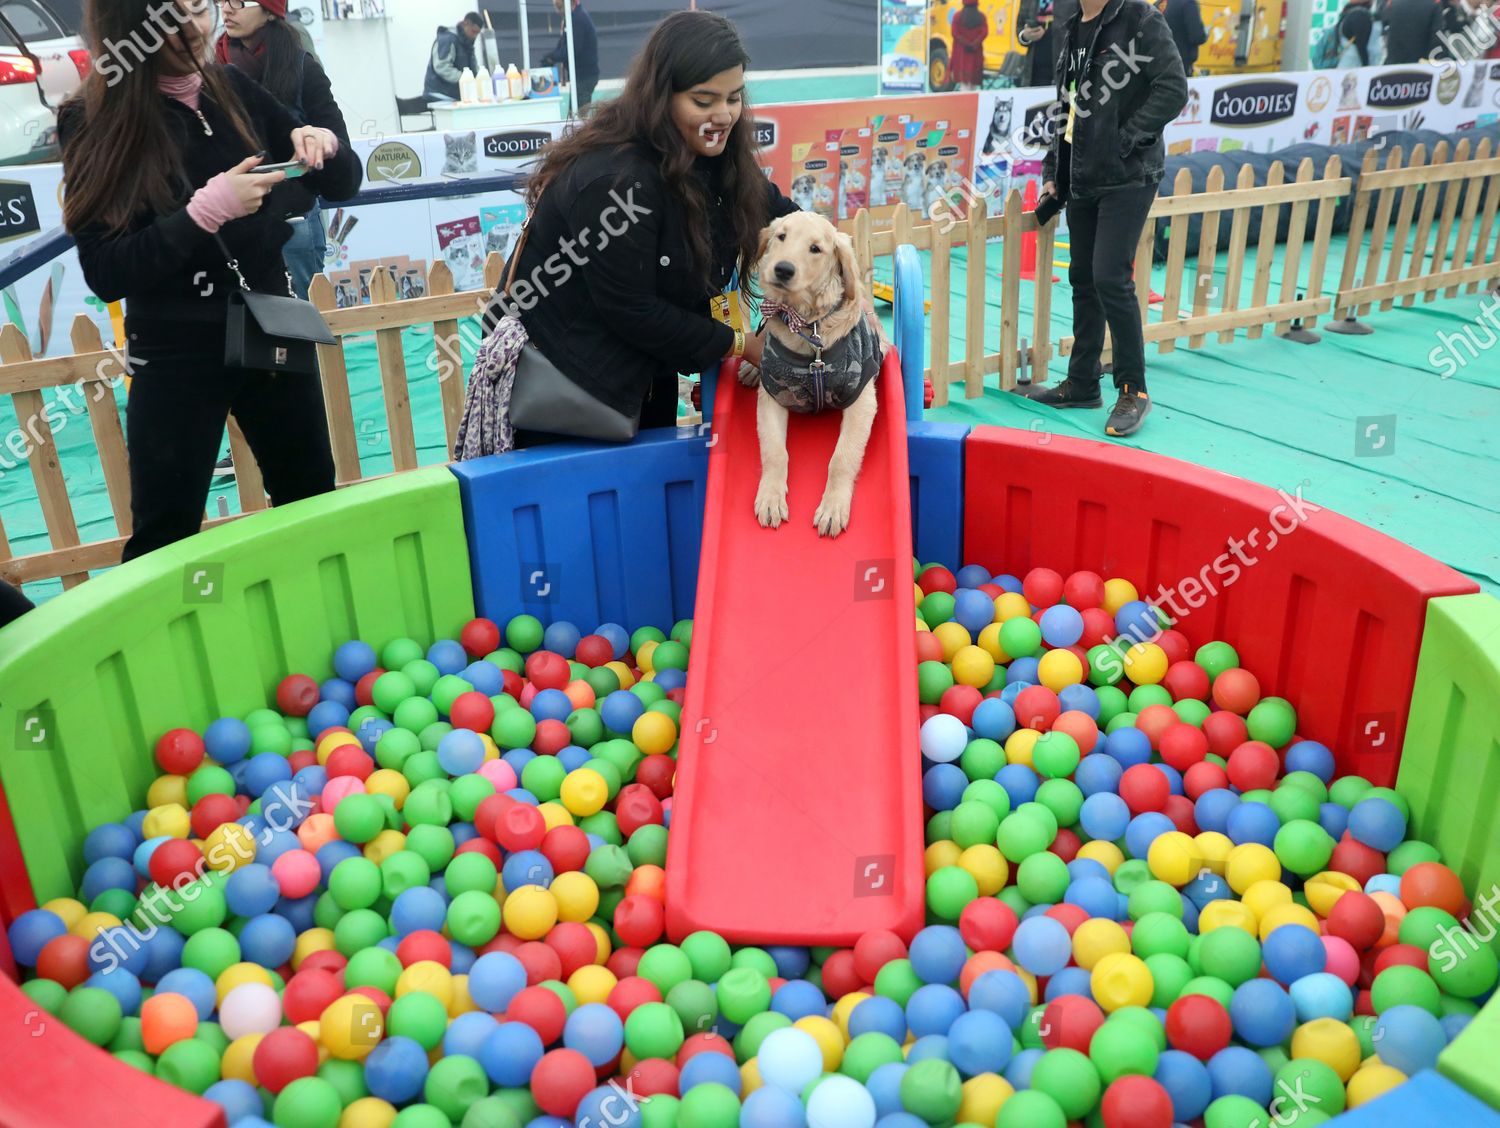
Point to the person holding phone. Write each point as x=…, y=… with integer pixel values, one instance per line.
x=1035, y=20
x=159, y=156
x=1120, y=82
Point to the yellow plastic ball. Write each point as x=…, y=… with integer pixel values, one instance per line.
x=384, y=844
x=327, y=745
x=602, y=946
x=592, y=983
x=1371, y=1081
x=826, y=1033
x=462, y=1002
x=1145, y=663
x=1121, y=980
x=922, y=627
x=844, y=1008
x=1097, y=938
x=229, y=846
x=1324, y=889
x=1107, y=854
x=1264, y=896
x=1248, y=863
x=1011, y=605
x=1019, y=746
x=89, y=925
x=576, y=894
x=653, y=733
x=351, y=1026
x=623, y=672
x=1288, y=914
x=1213, y=848
x=953, y=637
x=429, y=976
x=389, y=782
x=1059, y=669
x=70, y=910
x=585, y=791
x=530, y=912
x=983, y=1096
x=170, y=820
x=1117, y=593
x=1174, y=858
x=1225, y=914
x=944, y=852
x=555, y=814
x=491, y=752
x=973, y=665
x=987, y=866
x=237, y=975
x=313, y=940
x=167, y=791
x=989, y=641
x=750, y=1077
x=643, y=656
x=236, y=1065
x=367, y=1112
x=1330, y=1041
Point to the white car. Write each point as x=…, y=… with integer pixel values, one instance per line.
x=28, y=119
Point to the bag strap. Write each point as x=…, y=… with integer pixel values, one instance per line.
x=234, y=265
x=515, y=256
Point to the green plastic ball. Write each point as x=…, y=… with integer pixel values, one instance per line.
x=1043, y=878
x=667, y=965
x=1192, y=712
x=1022, y=834
x=933, y=680
x=1170, y=975
x=743, y=992
x=358, y=818
x=1117, y=1048
x=423, y=674
x=937, y=607
x=373, y=967
x=1216, y=657
x=190, y=1064
x=1404, y=984
x=211, y=951
x=1069, y=1078
x=1031, y=1108
x=1055, y=755
x=707, y=952
x=1159, y=933
x=1230, y=954
x=974, y=823
x=1316, y=1079
x=1410, y=853
x=454, y=1085
x=1349, y=790
x=92, y=1013
x=1272, y=720
x=932, y=1089
x=1303, y=847
x=1020, y=637
x=757, y=1030
x=949, y=889
x=419, y=1016
x=709, y=1105
x=982, y=759
x=390, y=689
x=897, y=981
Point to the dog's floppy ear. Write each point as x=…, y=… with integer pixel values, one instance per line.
x=765, y=239
x=848, y=266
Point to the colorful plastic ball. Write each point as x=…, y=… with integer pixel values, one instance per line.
x=1377, y=823
x=1262, y=1013
x=1198, y=1025
x=1408, y=1038
x=282, y=1056
x=179, y=751
x=1042, y=945
x=1136, y=1102
x=1144, y=788
x=166, y=1018
x=1432, y=884
x=31, y=932
x=789, y=1059
x=1323, y=995
x=943, y=738
x=1031, y=1108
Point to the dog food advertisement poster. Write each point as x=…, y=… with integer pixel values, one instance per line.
x=815, y=177
x=947, y=155
x=854, y=169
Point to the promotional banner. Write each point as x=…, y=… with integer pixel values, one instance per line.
x=903, y=46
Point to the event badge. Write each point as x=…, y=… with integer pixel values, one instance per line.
x=725, y=307
x=1072, y=108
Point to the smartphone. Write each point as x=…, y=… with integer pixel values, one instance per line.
x=291, y=168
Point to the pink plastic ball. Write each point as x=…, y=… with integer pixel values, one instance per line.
x=338, y=787
x=251, y=1008
x=1343, y=960
x=296, y=872
x=501, y=774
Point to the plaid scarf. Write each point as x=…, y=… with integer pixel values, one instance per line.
x=791, y=317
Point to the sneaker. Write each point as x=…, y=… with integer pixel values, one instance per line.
x=1129, y=413
x=1066, y=394
x=224, y=468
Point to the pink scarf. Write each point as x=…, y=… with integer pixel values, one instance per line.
x=184, y=87
x=216, y=203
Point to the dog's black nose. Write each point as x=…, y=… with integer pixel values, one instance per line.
x=785, y=270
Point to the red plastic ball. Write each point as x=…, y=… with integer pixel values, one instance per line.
x=560, y=1081
x=326, y=960
x=540, y=1009
x=424, y=944
x=473, y=711
x=1186, y=681
x=520, y=827
x=987, y=924
x=640, y=920
x=994, y=591
x=840, y=976
x=594, y=651
x=1066, y=845
x=636, y=807
x=1155, y=720
x=488, y=811
x=64, y=959
x=1399, y=955
x=482, y=846
x=1225, y=731
x=302, y=758
x=1236, y=690
x=364, y=689
x=1069, y=1023
x=1083, y=590
x=706, y=1042
x=1037, y=707
x=552, y=736
x=1134, y=1101
x=1254, y=765
x=1357, y=918
x=1179, y=809
x=174, y=858
x=179, y=751
x=574, y=944
x=566, y=847
x=213, y=811
x=960, y=701
x=929, y=648
x=1434, y=884
x=512, y=683
x=1183, y=745
x=297, y=694
x=541, y=962
x=1354, y=858
x=631, y=992
x=309, y=992
x=656, y=772
x=656, y=1077
x=623, y=962
x=1070, y=917
x=935, y=577
x=1203, y=777
x=1081, y=727
x=480, y=637
x=282, y=1056
x=925, y=713
x=547, y=669
x=1144, y=788
x=1098, y=625
x=1198, y=1025
x=349, y=760
x=376, y=996
x=1042, y=587
x=874, y=950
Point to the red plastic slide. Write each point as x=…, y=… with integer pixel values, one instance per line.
x=797, y=817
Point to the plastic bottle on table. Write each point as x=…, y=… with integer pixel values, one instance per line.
x=515, y=82
x=468, y=87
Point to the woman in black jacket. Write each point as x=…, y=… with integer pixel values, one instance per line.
x=639, y=218
x=159, y=151
x=258, y=40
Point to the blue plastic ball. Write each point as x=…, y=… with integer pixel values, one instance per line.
x=943, y=786
x=791, y=962
x=300, y=911
x=467, y=1034
x=837, y=1102
x=396, y=1070
x=937, y=954
x=353, y=660
x=1018, y=1072
x=325, y=715
x=1236, y=1069
x=419, y=908
x=1098, y=773
x=1069, y=981
x=1145, y=829
x=1020, y=783
x=617, y=636
x=789, y=1058
x=1322, y=995
x=141, y=859
x=510, y=1054
x=108, y=873
x=448, y=656
x=1213, y=808
x=885, y=1088
x=332, y=853
x=595, y=1031
x=267, y=940
x=460, y=752
x=1334, y=819
x=1081, y=868
x=551, y=705
x=979, y=1042
x=562, y=638
x=671, y=679
x=1310, y=756
x=1137, y=621
x=495, y=979
x=1378, y=823
x=1292, y=951
x=1262, y=1013
x=124, y=986
x=1129, y=745
x=1095, y=896
x=1061, y=625
x=932, y=1047
x=1408, y=1037
x=112, y=840
x=1079, y=698
x=1003, y=992
x=608, y=1105
x=573, y=757
x=272, y=844
x=265, y=769
x=163, y=947
x=770, y=1107
x=1023, y=672
x=973, y=610
x=994, y=719
x=527, y=867
x=1006, y=582
x=30, y=932
x=193, y=985
x=878, y=1015
x=1186, y=1081
x=1104, y=815
x=337, y=689
x=238, y=1099
x=797, y=998
x=251, y=890
x=1252, y=822
x=486, y=677
x=972, y=576
x=620, y=709
x=710, y=1069
x=933, y=1008
x=1042, y=945
x=227, y=740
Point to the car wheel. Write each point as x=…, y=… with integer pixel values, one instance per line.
x=938, y=76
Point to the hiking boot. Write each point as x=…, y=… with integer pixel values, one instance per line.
x=1066, y=394
x=1129, y=413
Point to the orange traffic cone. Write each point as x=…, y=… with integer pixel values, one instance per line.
x=1028, y=239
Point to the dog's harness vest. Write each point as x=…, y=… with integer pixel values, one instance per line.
x=833, y=377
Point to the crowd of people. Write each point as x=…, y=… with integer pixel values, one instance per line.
x=453, y=50
x=1375, y=32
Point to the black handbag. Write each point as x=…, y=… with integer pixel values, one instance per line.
x=269, y=332
x=545, y=399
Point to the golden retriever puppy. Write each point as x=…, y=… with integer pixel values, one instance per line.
x=823, y=349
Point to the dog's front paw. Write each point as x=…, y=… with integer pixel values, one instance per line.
x=770, y=504
x=832, y=516
x=749, y=374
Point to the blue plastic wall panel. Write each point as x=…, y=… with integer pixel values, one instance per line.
x=588, y=533
x=1427, y=1099
x=936, y=454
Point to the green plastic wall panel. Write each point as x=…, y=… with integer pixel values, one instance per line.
x=202, y=629
x=1450, y=771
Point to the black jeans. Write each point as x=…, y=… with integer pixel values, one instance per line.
x=1104, y=232
x=179, y=399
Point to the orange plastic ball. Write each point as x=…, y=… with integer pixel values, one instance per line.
x=580, y=693
x=1395, y=913
x=1236, y=690
x=1154, y=720
x=648, y=880
x=316, y=832
x=167, y=1019
x=1432, y=884
x=1081, y=727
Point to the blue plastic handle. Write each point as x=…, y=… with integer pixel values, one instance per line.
x=910, y=302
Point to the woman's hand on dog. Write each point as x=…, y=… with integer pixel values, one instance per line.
x=754, y=350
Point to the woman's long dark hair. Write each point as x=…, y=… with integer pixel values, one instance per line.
x=119, y=158
x=685, y=49
x=283, y=60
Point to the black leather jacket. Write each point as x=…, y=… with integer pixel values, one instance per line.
x=1128, y=88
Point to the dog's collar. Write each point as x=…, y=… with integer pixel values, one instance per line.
x=807, y=330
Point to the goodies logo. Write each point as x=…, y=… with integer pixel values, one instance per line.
x=1254, y=103
x=1396, y=90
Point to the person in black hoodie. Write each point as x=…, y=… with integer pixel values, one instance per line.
x=585, y=51
x=452, y=50
x=1035, y=24
x=1185, y=19
x=1120, y=82
x=1411, y=29
x=159, y=150
x=639, y=217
